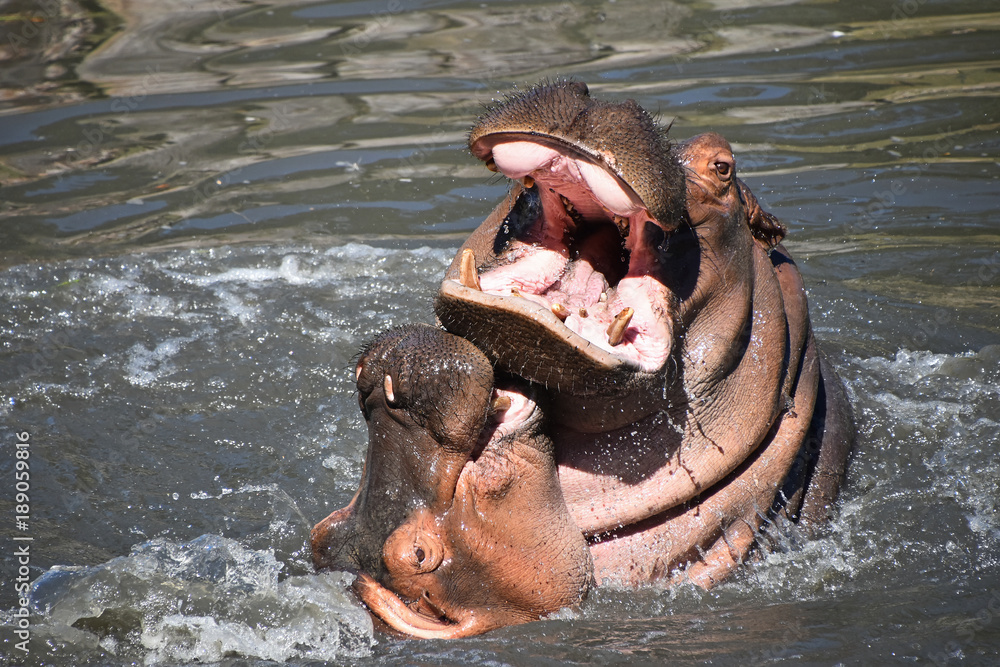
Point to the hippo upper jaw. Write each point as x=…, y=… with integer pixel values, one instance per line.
x=564, y=283
x=614, y=155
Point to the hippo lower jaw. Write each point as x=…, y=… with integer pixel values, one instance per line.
x=399, y=615
x=593, y=366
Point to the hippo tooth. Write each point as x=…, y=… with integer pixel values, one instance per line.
x=390, y=396
x=529, y=182
x=571, y=211
x=515, y=292
x=468, y=275
x=622, y=224
x=560, y=311
x=616, y=331
x=603, y=297
x=567, y=204
x=500, y=404
x=491, y=164
x=583, y=312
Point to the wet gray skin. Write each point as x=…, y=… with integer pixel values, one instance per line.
x=222, y=185
x=459, y=525
x=642, y=285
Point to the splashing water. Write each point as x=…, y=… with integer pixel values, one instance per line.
x=203, y=600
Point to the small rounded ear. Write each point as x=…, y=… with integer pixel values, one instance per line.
x=766, y=228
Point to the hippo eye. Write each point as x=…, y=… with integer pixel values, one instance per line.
x=425, y=556
x=723, y=169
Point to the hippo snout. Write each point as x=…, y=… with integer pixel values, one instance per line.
x=460, y=477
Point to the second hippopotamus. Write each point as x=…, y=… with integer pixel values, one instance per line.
x=638, y=290
x=459, y=524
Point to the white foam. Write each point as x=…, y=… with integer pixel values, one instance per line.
x=104, y=284
x=203, y=601
x=237, y=307
x=145, y=367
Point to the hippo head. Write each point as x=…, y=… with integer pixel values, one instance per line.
x=459, y=525
x=588, y=277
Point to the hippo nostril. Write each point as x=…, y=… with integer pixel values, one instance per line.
x=428, y=608
x=420, y=555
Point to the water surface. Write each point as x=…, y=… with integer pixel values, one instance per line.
x=204, y=218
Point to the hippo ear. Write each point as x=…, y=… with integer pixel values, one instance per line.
x=766, y=228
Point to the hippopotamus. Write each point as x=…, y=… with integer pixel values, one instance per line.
x=459, y=511
x=640, y=300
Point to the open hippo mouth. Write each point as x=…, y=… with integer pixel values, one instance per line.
x=569, y=276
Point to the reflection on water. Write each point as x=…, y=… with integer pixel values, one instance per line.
x=203, y=218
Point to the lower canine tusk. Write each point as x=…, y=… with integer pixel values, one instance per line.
x=500, y=404
x=467, y=273
x=616, y=331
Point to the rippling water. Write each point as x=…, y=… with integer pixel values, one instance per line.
x=203, y=218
